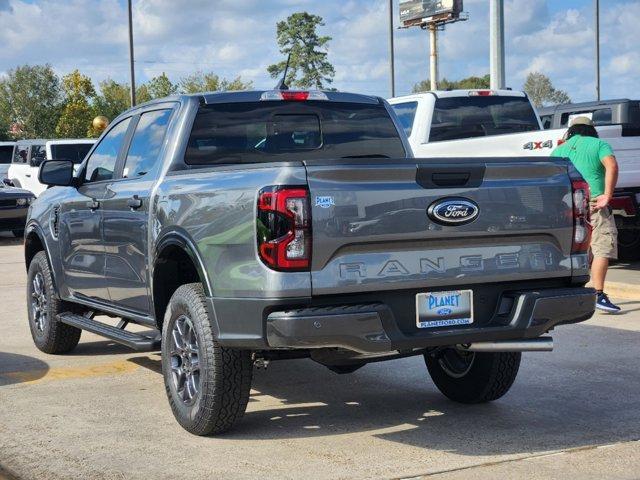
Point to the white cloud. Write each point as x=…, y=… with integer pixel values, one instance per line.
x=237, y=37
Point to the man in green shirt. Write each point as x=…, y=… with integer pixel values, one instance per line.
x=595, y=161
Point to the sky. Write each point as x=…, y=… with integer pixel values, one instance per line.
x=238, y=37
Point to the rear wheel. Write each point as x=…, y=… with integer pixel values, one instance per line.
x=473, y=377
x=629, y=244
x=207, y=385
x=49, y=334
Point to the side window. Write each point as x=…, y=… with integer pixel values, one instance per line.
x=38, y=154
x=102, y=162
x=546, y=121
x=602, y=117
x=406, y=113
x=21, y=154
x=144, y=151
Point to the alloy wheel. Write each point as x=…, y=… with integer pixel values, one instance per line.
x=185, y=360
x=39, y=302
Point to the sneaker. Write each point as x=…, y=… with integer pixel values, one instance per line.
x=603, y=303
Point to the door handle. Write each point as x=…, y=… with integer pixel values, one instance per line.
x=134, y=202
x=94, y=205
x=27, y=175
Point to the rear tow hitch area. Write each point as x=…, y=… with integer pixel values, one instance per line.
x=541, y=344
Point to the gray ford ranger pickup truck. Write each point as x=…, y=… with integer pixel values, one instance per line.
x=246, y=227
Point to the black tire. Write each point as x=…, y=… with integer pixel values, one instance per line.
x=18, y=233
x=49, y=334
x=472, y=377
x=629, y=244
x=223, y=375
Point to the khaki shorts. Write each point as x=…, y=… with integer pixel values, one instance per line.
x=604, y=236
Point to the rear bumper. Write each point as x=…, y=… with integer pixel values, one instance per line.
x=372, y=327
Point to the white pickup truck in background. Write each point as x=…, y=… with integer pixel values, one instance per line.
x=504, y=123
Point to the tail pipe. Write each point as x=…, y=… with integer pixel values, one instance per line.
x=541, y=344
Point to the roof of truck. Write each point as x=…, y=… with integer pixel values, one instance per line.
x=459, y=93
x=256, y=96
x=32, y=141
x=70, y=141
x=570, y=106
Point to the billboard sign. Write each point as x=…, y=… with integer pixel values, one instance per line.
x=413, y=12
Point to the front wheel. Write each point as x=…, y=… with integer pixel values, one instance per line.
x=207, y=385
x=49, y=334
x=473, y=377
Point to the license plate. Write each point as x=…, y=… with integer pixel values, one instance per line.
x=444, y=309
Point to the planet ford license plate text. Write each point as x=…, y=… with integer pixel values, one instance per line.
x=444, y=309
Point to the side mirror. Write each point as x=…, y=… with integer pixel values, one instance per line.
x=57, y=173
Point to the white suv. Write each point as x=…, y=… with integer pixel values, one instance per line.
x=29, y=154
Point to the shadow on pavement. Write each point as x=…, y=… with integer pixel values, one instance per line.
x=584, y=393
x=16, y=368
x=153, y=364
x=628, y=307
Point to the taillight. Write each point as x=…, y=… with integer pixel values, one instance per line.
x=293, y=95
x=482, y=93
x=581, y=226
x=284, y=228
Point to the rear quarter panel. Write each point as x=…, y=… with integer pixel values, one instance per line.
x=216, y=208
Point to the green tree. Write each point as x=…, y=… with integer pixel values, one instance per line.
x=542, y=92
x=114, y=98
x=308, y=66
x=143, y=94
x=77, y=114
x=210, y=82
x=160, y=86
x=468, y=83
x=31, y=97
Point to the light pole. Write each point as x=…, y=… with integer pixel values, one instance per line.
x=433, y=56
x=391, y=52
x=133, y=73
x=496, y=27
x=596, y=5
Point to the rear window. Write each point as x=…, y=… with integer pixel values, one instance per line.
x=455, y=118
x=601, y=116
x=70, y=151
x=255, y=132
x=406, y=113
x=6, y=154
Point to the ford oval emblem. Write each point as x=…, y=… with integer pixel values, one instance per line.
x=453, y=211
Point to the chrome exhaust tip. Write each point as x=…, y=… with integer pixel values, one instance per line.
x=540, y=344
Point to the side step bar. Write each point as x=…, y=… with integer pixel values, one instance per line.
x=141, y=341
x=540, y=344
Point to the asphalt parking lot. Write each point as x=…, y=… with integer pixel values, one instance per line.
x=101, y=413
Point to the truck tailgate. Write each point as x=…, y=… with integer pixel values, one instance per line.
x=371, y=229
